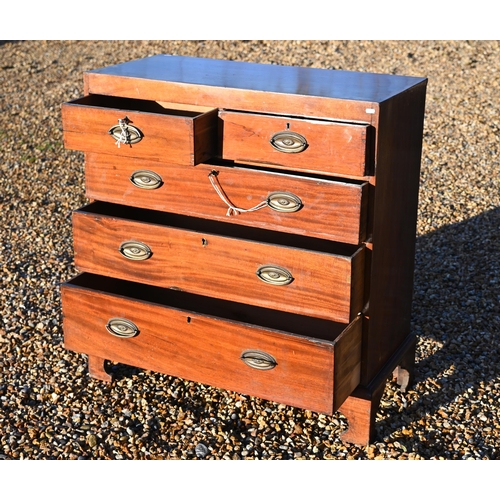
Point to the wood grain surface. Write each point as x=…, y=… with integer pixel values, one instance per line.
x=332, y=209
x=207, y=349
x=333, y=147
x=169, y=134
x=225, y=267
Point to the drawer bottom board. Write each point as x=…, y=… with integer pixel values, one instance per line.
x=204, y=340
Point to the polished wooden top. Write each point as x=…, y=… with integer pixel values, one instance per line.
x=313, y=82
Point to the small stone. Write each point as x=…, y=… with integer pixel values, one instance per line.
x=201, y=450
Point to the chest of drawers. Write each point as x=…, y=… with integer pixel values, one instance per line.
x=251, y=227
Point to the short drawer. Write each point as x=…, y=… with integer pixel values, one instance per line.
x=316, y=146
x=139, y=128
x=240, y=348
x=315, y=206
x=262, y=268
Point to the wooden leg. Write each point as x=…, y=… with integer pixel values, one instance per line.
x=360, y=410
x=96, y=369
x=361, y=407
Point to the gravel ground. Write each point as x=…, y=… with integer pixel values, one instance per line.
x=51, y=409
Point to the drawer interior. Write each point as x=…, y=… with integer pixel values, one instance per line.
x=198, y=304
x=219, y=228
x=140, y=105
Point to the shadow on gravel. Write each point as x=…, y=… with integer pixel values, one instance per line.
x=457, y=306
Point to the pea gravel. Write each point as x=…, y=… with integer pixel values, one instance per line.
x=51, y=409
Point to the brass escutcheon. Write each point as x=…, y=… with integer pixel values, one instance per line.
x=135, y=250
x=146, y=179
x=288, y=142
x=121, y=327
x=274, y=275
x=284, y=202
x=259, y=360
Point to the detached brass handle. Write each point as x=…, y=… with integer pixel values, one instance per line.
x=135, y=250
x=124, y=133
x=259, y=360
x=121, y=327
x=274, y=275
x=288, y=142
x=146, y=179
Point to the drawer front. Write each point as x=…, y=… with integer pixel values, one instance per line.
x=142, y=129
x=309, y=145
x=280, y=277
x=304, y=372
x=325, y=209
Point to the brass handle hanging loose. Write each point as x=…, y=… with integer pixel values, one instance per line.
x=124, y=133
x=279, y=201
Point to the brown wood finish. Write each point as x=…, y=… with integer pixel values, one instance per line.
x=219, y=266
x=334, y=210
x=332, y=147
x=393, y=251
x=195, y=346
x=350, y=248
x=183, y=137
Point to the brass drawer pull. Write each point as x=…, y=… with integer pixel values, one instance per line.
x=288, y=142
x=274, y=275
x=121, y=327
x=135, y=250
x=280, y=201
x=146, y=179
x=259, y=360
x=284, y=202
x=124, y=133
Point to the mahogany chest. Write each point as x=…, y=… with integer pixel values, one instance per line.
x=251, y=227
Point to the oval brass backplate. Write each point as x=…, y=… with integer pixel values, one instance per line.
x=146, y=179
x=274, y=275
x=259, y=360
x=284, y=202
x=124, y=133
x=135, y=250
x=288, y=142
x=121, y=327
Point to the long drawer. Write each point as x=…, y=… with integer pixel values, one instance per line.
x=301, y=204
x=258, y=352
x=142, y=129
x=317, y=146
x=263, y=268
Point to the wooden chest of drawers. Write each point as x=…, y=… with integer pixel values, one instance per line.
x=252, y=228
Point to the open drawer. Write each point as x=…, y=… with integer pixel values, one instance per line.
x=317, y=206
x=138, y=128
x=256, y=351
x=315, y=146
x=258, y=267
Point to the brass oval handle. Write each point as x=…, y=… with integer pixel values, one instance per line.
x=124, y=133
x=274, y=275
x=121, y=327
x=135, y=250
x=284, y=202
x=288, y=142
x=146, y=179
x=259, y=360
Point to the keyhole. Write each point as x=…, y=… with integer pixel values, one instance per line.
x=188, y=319
x=204, y=242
